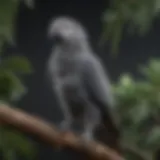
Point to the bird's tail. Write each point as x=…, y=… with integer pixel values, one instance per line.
x=108, y=132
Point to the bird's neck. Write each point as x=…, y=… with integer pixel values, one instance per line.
x=74, y=49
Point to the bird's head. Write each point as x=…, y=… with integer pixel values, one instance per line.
x=66, y=31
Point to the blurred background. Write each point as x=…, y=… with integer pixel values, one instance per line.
x=30, y=40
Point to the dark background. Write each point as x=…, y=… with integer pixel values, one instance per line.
x=31, y=41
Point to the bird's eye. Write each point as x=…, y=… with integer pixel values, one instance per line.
x=57, y=39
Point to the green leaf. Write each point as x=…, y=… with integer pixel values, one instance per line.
x=14, y=140
x=152, y=71
x=18, y=88
x=8, y=10
x=9, y=154
x=17, y=64
x=154, y=138
x=5, y=86
x=10, y=86
x=140, y=112
x=126, y=80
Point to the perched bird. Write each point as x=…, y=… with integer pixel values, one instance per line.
x=79, y=80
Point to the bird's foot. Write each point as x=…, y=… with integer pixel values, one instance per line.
x=88, y=136
x=65, y=126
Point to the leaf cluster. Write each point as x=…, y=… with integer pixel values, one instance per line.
x=12, y=69
x=11, y=87
x=138, y=105
x=13, y=143
x=134, y=16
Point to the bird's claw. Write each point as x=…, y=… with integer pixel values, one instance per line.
x=87, y=136
x=65, y=126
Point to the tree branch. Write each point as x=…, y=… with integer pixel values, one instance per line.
x=49, y=134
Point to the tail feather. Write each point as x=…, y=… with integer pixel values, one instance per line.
x=108, y=133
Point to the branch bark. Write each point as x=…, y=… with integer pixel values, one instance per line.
x=49, y=134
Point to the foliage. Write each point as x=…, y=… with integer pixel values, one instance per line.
x=138, y=101
x=12, y=143
x=138, y=104
x=135, y=16
x=11, y=87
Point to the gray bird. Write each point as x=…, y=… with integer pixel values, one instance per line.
x=78, y=78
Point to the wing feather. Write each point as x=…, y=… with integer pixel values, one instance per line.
x=98, y=88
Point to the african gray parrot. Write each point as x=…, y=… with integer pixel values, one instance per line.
x=78, y=78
